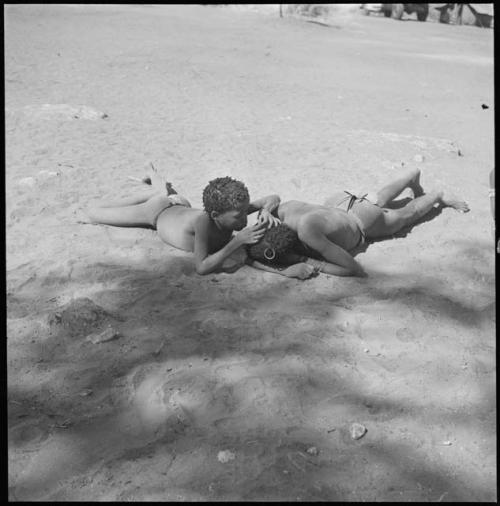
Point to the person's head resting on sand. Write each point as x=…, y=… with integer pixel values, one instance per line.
x=226, y=201
x=273, y=247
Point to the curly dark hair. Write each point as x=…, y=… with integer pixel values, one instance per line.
x=224, y=194
x=277, y=241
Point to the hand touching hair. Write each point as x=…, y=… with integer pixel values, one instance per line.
x=276, y=243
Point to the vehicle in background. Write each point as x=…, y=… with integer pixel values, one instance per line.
x=396, y=11
x=456, y=14
x=367, y=8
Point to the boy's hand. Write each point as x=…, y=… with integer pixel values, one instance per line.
x=301, y=271
x=266, y=218
x=251, y=235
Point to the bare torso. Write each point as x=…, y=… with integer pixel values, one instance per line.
x=337, y=225
x=176, y=226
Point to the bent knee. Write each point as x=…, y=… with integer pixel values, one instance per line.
x=394, y=221
x=387, y=223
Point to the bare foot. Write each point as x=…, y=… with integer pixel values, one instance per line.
x=179, y=200
x=159, y=183
x=459, y=205
x=415, y=185
x=82, y=218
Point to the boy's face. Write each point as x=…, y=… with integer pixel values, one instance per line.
x=235, y=219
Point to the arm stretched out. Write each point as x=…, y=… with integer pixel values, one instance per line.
x=339, y=261
x=320, y=265
x=269, y=203
x=299, y=270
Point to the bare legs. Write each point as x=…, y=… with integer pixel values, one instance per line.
x=159, y=184
x=139, y=210
x=391, y=191
x=136, y=215
x=390, y=221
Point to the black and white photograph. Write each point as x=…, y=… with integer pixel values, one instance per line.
x=250, y=252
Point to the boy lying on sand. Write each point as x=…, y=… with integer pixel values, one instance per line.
x=208, y=233
x=329, y=232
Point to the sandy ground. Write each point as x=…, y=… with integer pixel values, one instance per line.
x=268, y=370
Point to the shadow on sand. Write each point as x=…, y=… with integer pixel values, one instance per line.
x=183, y=317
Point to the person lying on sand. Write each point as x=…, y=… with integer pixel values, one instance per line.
x=323, y=236
x=208, y=233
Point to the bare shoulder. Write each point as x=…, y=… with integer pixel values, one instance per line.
x=202, y=220
x=309, y=222
x=297, y=207
x=291, y=204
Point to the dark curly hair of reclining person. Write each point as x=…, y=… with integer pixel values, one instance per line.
x=276, y=243
x=224, y=194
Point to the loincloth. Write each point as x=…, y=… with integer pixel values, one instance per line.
x=346, y=205
x=166, y=202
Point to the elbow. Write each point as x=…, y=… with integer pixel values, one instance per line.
x=354, y=271
x=202, y=270
x=277, y=200
x=360, y=273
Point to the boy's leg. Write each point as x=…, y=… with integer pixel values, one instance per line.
x=389, y=192
x=127, y=201
x=396, y=219
x=159, y=183
x=139, y=215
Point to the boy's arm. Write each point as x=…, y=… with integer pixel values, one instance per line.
x=206, y=263
x=333, y=269
x=298, y=270
x=266, y=207
x=339, y=261
x=320, y=265
x=269, y=203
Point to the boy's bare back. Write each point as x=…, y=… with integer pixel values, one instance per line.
x=333, y=223
x=176, y=226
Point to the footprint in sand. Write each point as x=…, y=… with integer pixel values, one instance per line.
x=63, y=111
x=190, y=398
x=28, y=435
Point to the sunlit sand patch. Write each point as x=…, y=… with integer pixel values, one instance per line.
x=457, y=58
x=62, y=111
x=418, y=141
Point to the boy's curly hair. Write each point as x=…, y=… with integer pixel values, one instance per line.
x=277, y=241
x=224, y=194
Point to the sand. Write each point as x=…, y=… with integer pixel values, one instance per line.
x=244, y=386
